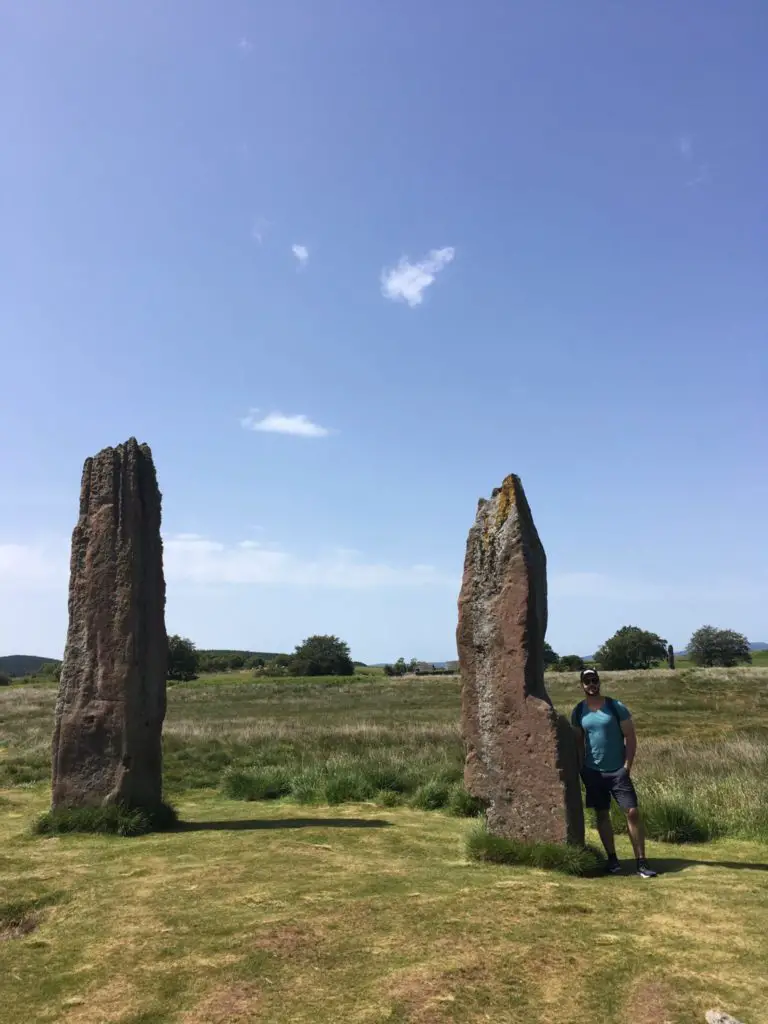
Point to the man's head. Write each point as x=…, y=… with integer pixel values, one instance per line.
x=590, y=682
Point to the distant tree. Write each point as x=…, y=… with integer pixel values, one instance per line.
x=322, y=656
x=570, y=663
x=4, y=679
x=236, y=661
x=49, y=670
x=631, y=647
x=281, y=661
x=551, y=658
x=413, y=665
x=389, y=670
x=400, y=667
x=723, y=647
x=182, y=658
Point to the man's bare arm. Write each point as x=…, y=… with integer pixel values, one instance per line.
x=630, y=740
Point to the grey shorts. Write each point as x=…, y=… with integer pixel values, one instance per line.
x=601, y=786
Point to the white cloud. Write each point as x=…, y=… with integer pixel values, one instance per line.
x=301, y=252
x=407, y=281
x=276, y=423
x=245, y=45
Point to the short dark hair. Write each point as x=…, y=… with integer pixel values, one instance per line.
x=589, y=672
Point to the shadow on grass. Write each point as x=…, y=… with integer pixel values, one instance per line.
x=256, y=824
x=671, y=865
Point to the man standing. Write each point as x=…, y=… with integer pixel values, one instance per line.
x=607, y=744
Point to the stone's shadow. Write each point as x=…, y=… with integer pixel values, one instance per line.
x=256, y=824
x=674, y=864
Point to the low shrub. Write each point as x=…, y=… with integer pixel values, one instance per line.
x=570, y=860
x=112, y=819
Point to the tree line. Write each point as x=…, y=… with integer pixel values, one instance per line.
x=319, y=655
x=633, y=648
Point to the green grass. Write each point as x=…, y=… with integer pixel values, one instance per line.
x=113, y=819
x=570, y=860
x=271, y=912
x=302, y=906
x=703, y=739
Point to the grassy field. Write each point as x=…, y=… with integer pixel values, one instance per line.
x=276, y=911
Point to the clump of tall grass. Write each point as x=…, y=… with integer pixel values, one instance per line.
x=112, y=819
x=482, y=845
x=691, y=792
x=259, y=782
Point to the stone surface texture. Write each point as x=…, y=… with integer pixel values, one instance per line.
x=111, y=700
x=521, y=755
x=718, y=1017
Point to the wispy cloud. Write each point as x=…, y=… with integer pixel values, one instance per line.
x=244, y=45
x=301, y=252
x=259, y=229
x=191, y=558
x=689, y=155
x=406, y=282
x=277, y=423
x=685, y=147
x=701, y=177
x=33, y=565
x=204, y=561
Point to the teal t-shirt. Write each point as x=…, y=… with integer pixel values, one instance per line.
x=603, y=738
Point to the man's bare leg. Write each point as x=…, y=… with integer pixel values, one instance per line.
x=605, y=828
x=636, y=832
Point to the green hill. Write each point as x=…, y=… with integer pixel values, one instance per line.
x=16, y=665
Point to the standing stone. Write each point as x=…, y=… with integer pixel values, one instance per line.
x=671, y=656
x=521, y=755
x=111, y=702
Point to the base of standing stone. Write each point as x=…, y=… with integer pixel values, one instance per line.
x=112, y=819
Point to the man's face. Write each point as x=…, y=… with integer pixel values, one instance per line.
x=591, y=684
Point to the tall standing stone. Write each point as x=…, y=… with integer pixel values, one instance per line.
x=521, y=755
x=111, y=702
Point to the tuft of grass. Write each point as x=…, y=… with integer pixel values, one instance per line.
x=112, y=819
x=670, y=821
x=261, y=782
x=462, y=805
x=347, y=786
x=388, y=798
x=482, y=845
x=431, y=796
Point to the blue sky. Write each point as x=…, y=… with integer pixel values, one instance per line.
x=346, y=265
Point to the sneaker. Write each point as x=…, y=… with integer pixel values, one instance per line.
x=645, y=871
x=612, y=866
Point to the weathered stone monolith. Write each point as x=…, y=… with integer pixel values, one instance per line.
x=521, y=755
x=111, y=702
